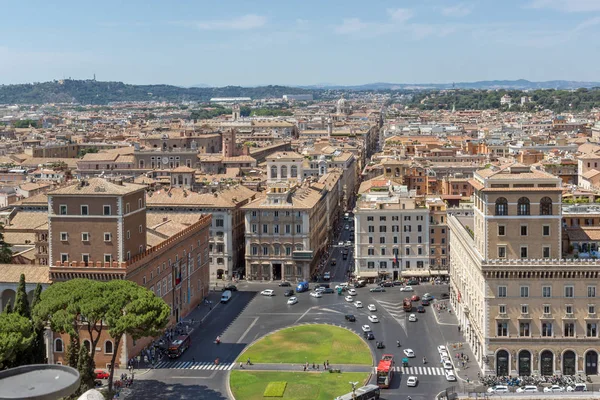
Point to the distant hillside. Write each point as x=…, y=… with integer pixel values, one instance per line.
x=520, y=84
x=101, y=93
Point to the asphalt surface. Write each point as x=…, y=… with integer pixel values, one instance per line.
x=249, y=316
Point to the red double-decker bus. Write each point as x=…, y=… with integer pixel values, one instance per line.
x=385, y=371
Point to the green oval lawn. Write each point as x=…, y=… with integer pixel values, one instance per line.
x=310, y=343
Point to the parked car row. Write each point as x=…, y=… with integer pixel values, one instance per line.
x=499, y=389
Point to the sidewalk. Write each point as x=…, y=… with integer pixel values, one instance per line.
x=457, y=344
x=300, y=367
x=198, y=315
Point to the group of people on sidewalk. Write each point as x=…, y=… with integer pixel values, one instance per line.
x=317, y=366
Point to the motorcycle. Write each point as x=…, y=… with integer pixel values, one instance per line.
x=397, y=343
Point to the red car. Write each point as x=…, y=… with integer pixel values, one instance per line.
x=100, y=374
x=415, y=298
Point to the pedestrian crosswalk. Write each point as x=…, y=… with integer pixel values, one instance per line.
x=206, y=366
x=420, y=370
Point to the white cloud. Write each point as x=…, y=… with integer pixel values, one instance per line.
x=459, y=10
x=567, y=5
x=245, y=22
x=351, y=25
x=400, y=14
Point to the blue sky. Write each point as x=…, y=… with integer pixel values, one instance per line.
x=293, y=42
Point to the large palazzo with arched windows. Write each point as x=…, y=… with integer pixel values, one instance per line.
x=525, y=308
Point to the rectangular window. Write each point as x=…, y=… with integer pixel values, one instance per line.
x=254, y=228
x=547, y=291
x=127, y=208
x=419, y=228
x=524, y=329
x=371, y=264
x=502, y=329
x=107, y=236
x=382, y=264
x=276, y=229
x=569, y=291
x=265, y=250
x=371, y=229
x=370, y=218
x=523, y=251
x=288, y=229
x=128, y=234
x=219, y=223
x=64, y=236
x=298, y=228
x=383, y=251
x=370, y=239
x=382, y=240
x=501, y=291
x=569, y=309
x=501, y=230
x=64, y=257
x=62, y=209
x=106, y=210
x=524, y=309
x=523, y=230
x=569, y=329
x=382, y=218
x=382, y=228
x=546, y=309
x=591, y=291
x=502, y=309
x=265, y=228
x=592, y=329
x=85, y=210
x=407, y=239
x=546, y=230
x=591, y=309
x=547, y=329
x=85, y=236
x=371, y=252
x=408, y=264
x=546, y=251
x=501, y=251
x=524, y=291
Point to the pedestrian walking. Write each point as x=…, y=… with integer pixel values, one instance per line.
x=241, y=365
x=248, y=362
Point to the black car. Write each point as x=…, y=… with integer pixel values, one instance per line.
x=380, y=345
x=420, y=309
x=285, y=284
x=288, y=292
x=445, y=296
x=350, y=318
x=369, y=335
x=377, y=289
x=231, y=287
x=413, y=282
x=328, y=291
x=424, y=302
x=333, y=262
x=397, y=283
x=386, y=284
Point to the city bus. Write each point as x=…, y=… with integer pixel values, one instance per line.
x=385, y=371
x=179, y=345
x=369, y=392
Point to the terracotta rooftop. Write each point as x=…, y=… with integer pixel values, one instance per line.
x=11, y=273
x=99, y=187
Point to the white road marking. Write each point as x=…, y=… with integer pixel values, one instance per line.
x=247, y=330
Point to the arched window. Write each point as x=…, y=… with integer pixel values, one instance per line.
x=273, y=172
x=108, y=347
x=299, y=247
x=58, y=345
x=141, y=164
x=501, y=206
x=546, y=206
x=294, y=171
x=523, y=206
x=88, y=345
x=284, y=171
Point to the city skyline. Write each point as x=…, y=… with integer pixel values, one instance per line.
x=339, y=43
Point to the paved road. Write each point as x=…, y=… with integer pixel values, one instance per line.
x=249, y=316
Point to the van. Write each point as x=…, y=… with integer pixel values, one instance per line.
x=226, y=296
x=527, y=389
x=498, y=389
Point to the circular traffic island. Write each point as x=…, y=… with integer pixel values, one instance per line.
x=279, y=360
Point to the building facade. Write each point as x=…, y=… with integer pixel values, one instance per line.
x=523, y=307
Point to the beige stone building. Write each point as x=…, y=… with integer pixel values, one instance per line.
x=524, y=309
x=285, y=232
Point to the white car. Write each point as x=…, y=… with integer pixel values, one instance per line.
x=527, y=389
x=348, y=243
x=579, y=387
x=340, y=243
x=358, y=304
x=412, y=381
x=447, y=365
x=366, y=328
x=412, y=318
x=352, y=292
x=441, y=348
x=349, y=299
x=373, y=318
x=316, y=294
x=342, y=285
x=409, y=353
x=444, y=354
x=498, y=389
x=427, y=296
x=319, y=289
x=407, y=289
x=347, y=227
x=553, y=389
x=450, y=377
x=292, y=300
x=371, y=307
x=268, y=292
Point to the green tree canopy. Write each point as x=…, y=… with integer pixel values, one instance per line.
x=16, y=335
x=85, y=366
x=5, y=251
x=21, y=302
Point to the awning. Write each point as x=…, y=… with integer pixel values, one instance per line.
x=439, y=272
x=415, y=273
x=367, y=274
